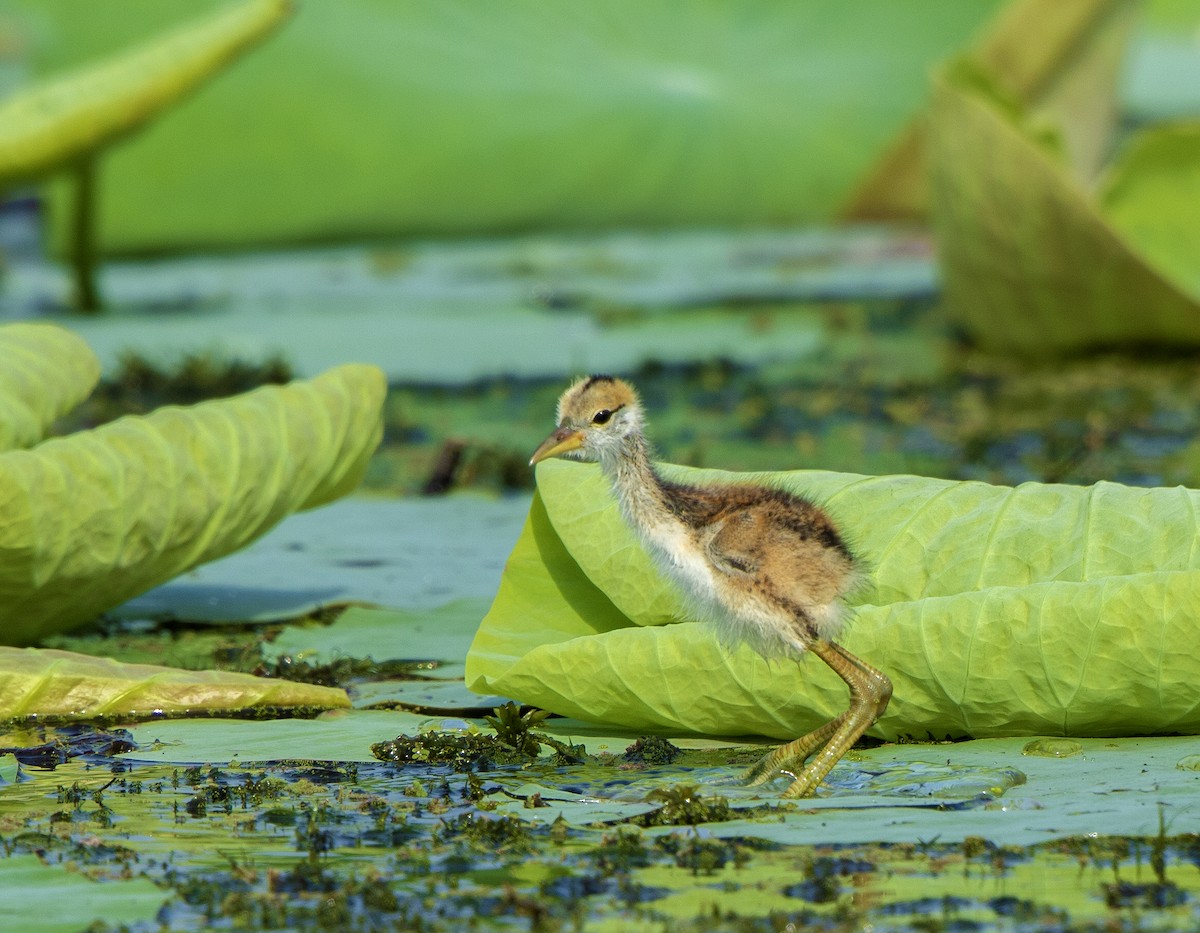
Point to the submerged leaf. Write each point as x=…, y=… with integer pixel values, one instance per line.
x=51, y=683
x=59, y=121
x=44, y=372
x=89, y=520
x=995, y=611
x=1029, y=263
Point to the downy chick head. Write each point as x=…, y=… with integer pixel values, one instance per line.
x=598, y=419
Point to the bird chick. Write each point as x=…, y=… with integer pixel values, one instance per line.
x=766, y=567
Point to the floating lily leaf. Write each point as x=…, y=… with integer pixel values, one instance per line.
x=44, y=372
x=1114, y=785
x=384, y=551
x=56, y=899
x=89, y=520
x=1062, y=58
x=1029, y=262
x=57, y=122
x=996, y=611
x=441, y=634
x=338, y=735
x=47, y=682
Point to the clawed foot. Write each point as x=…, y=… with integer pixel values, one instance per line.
x=790, y=758
x=870, y=692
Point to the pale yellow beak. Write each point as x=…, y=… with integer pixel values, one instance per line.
x=564, y=439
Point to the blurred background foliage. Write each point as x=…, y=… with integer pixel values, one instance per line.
x=377, y=118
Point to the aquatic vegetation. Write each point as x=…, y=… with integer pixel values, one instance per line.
x=305, y=843
x=461, y=751
x=139, y=385
x=340, y=672
x=513, y=743
x=685, y=805
x=651, y=750
x=513, y=727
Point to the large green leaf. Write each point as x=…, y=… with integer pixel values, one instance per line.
x=1062, y=58
x=1151, y=196
x=55, y=123
x=89, y=520
x=1030, y=263
x=44, y=372
x=50, y=683
x=996, y=611
x=531, y=115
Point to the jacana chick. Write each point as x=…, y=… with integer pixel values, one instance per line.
x=766, y=567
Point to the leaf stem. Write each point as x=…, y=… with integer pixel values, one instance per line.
x=83, y=237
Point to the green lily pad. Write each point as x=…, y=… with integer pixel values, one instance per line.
x=45, y=371
x=574, y=809
x=1116, y=786
x=441, y=634
x=390, y=552
x=600, y=302
x=996, y=611
x=61, y=684
x=43, y=898
x=339, y=735
x=89, y=520
x=424, y=694
x=397, y=339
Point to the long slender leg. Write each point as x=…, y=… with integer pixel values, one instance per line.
x=870, y=691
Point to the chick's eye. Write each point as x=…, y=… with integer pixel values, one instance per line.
x=602, y=416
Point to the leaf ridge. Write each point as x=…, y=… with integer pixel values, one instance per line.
x=1085, y=537
x=968, y=665
x=989, y=540
x=917, y=515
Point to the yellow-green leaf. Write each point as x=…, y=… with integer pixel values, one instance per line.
x=56, y=122
x=89, y=520
x=1152, y=196
x=44, y=372
x=1062, y=59
x=51, y=683
x=533, y=114
x=1040, y=609
x=1029, y=263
